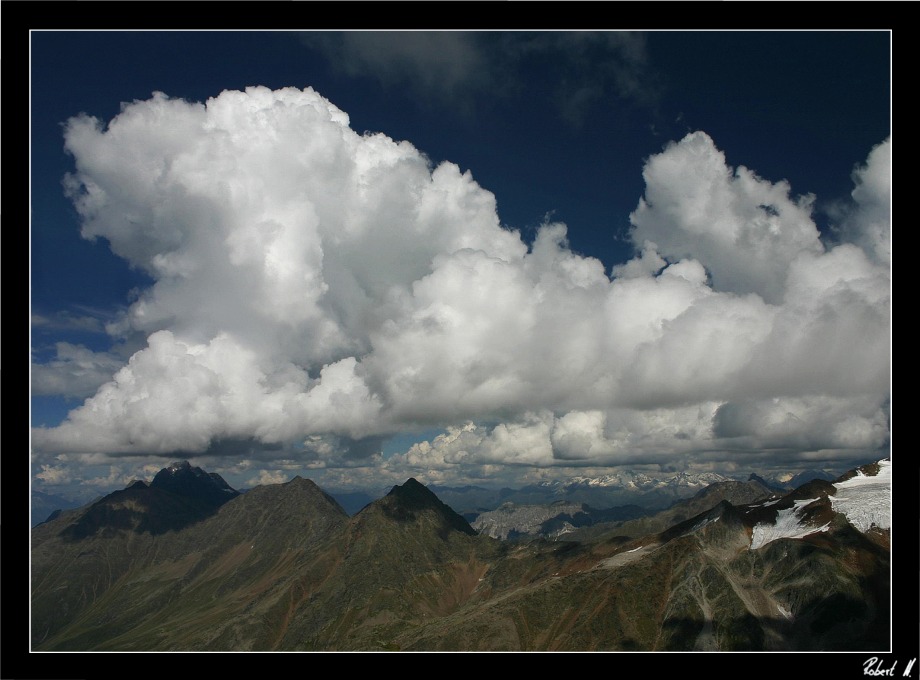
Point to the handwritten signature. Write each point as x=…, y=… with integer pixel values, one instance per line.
x=875, y=667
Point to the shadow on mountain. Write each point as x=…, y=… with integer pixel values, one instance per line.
x=178, y=496
x=836, y=623
x=142, y=510
x=405, y=502
x=736, y=633
x=284, y=568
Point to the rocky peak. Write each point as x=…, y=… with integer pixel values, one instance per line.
x=405, y=502
x=763, y=482
x=183, y=479
x=414, y=494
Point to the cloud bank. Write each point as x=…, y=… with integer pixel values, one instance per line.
x=317, y=290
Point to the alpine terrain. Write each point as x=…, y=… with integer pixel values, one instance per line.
x=187, y=563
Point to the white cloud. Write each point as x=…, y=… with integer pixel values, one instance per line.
x=745, y=230
x=707, y=432
x=649, y=262
x=868, y=223
x=266, y=477
x=52, y=474
x=317, y=290
x=116, y=478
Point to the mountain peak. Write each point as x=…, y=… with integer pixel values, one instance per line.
x=760, y=480
x=406, y=502
x=413, y=495
x=183, y=479
x=179, y=495
x=412, y=487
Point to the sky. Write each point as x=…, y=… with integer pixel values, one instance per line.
x=487, y=258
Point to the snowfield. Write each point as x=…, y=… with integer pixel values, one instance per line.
x=866, y=501
x=788, y=525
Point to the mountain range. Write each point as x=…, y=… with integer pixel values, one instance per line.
x=185, y=563
x=624, y=488
x=580, y=521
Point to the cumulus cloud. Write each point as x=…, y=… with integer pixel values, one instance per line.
x=116, y=478
x=87, y=475
x=716, y=432
x=317, y=290
x=54, y=475
x=868, y=220
x=744, y=229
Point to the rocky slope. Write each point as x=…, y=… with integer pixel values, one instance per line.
x=283, y=567
x=553, y=520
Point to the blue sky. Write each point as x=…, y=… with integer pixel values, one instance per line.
x=671, y=250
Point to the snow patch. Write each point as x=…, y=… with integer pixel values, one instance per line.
x=765, y=504
x=866, y=501
x=701, y=524
x=788, y=525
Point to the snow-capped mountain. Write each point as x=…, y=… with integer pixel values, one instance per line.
x=862, y=497
x=789, y=523
x=642, y=482
x=865, y=498
x=624, y=487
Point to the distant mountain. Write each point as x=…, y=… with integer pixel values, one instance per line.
x=773, y=486
x=43, y=504
x=352, y=501
x=734, y=492
x=283, y=567
x=512, y=521
x=471, y=500
x=553, y=520
x=618, y=489
x=578, y=521
x=807, y=476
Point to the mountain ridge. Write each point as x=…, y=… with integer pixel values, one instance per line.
x=283, y=567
